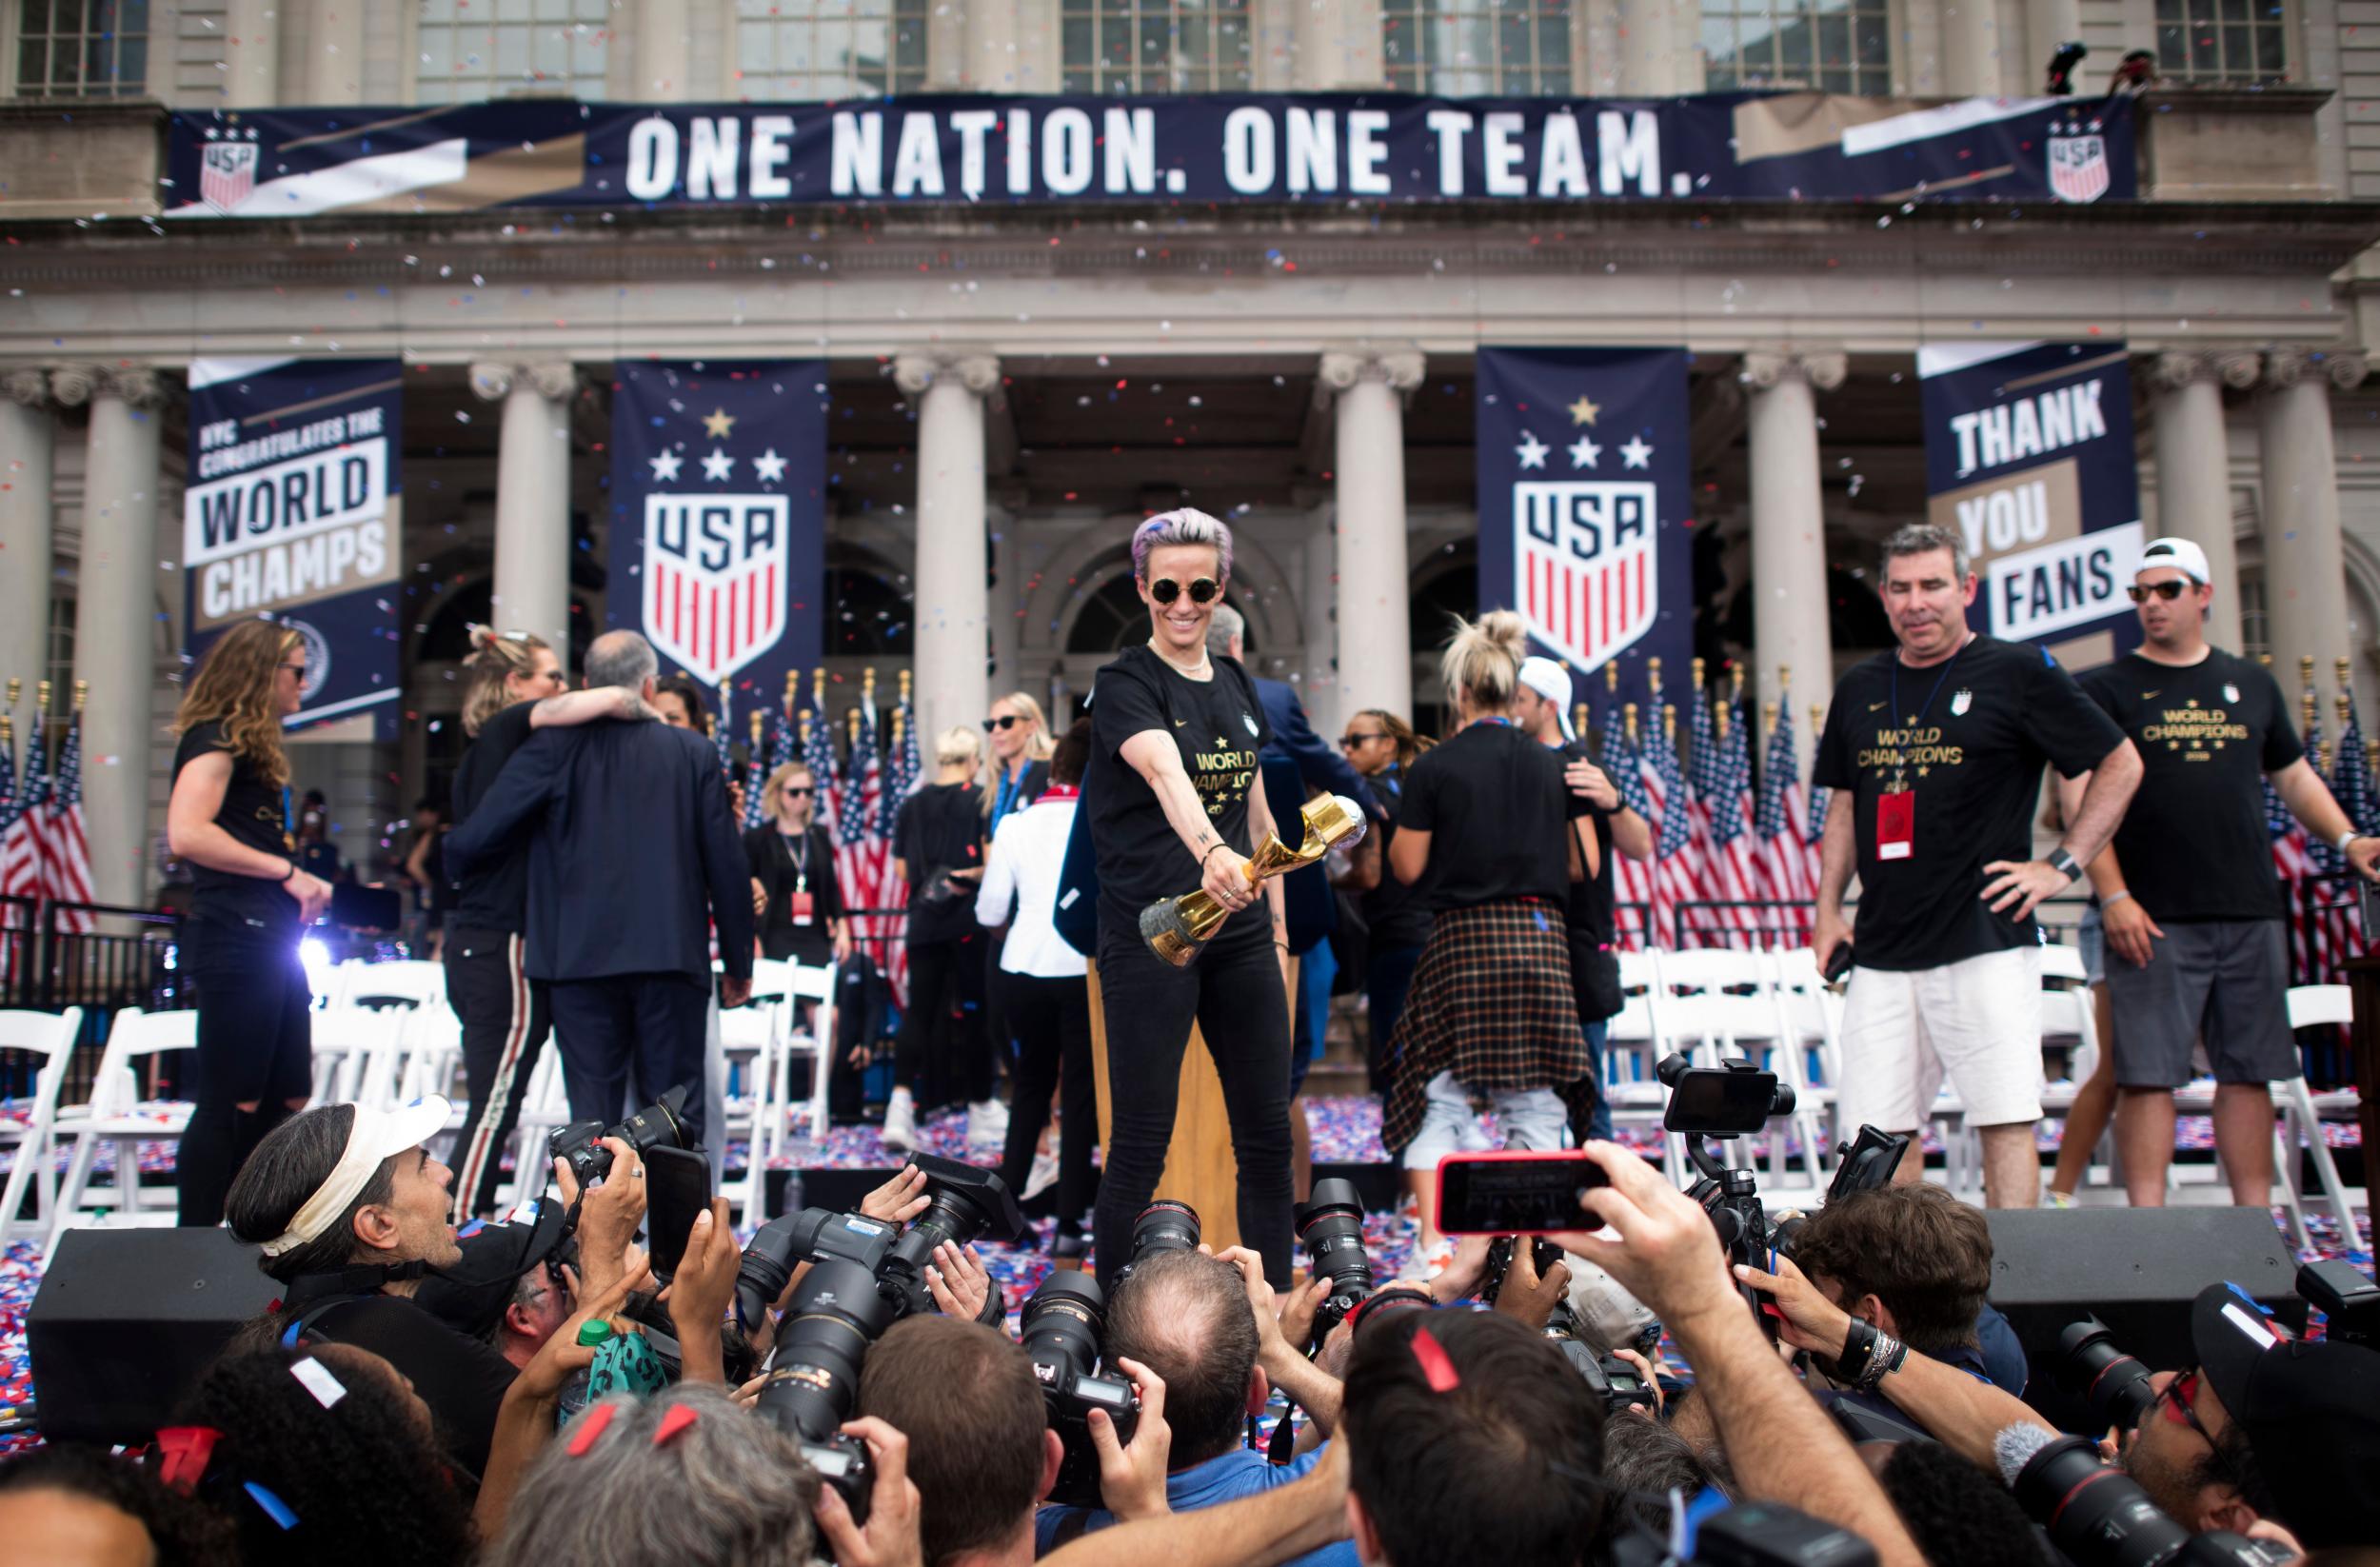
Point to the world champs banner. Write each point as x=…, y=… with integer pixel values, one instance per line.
x=292, y=511
x=2028, y=457
x=718, y=524
x=1583, y=467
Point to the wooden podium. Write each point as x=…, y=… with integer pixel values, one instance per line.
x=1200, y=1168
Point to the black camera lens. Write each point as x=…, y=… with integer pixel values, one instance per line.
x=1332, y=1228
x=2113, y=1385
x=1059, y=1327
x=964, y=1203
x=1164, y=1225
x=814, y=1379
x=2096, y=1516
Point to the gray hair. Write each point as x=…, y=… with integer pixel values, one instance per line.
x=729, y=1488
x=1185, y=527
x=1924, y=539
x=621, y=658
x=1224, y=628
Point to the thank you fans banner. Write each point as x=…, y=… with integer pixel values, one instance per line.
x=1206, y=148
x=292, y=511
x=1584, y=529
x=2029, y=456
x=717, y=523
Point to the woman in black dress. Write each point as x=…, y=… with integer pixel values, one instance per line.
x=938, y=850
x=1380, y=745
x=794, y=889
x=229, y=819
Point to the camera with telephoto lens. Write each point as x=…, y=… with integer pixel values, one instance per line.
x=1750, y=1534
x=580, y=1144
x=962, y=1204
x=1060, y=1328
x=2092, y=1368
x=1331, y=1227
x=814, y=1235
x=2098, y=1516
x=1164, y=1225
x=814, y=1375
x=1500, y=1261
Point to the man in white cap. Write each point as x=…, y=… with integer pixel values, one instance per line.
x=2192, y=907
x=1542, y=707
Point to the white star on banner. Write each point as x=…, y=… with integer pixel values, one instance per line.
x=1635, y=454
x=1532, y=450
x=1584, y=453
x=718, y=465
x=770, y=467
x=666, y=466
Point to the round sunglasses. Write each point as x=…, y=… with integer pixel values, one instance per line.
x=1165, y=590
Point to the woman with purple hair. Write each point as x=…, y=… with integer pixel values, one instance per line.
x=1176, y=799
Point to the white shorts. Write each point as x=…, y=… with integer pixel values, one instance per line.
x=1978, y=1020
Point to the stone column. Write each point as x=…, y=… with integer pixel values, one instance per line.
x=1375, y=588
x=251, y=53
x=1973, y=52
x=334, y=71
x=28, y=431
x=2194, y=470
x=115, y=622
x=1318, y=684
x=532, y=497
x=1789, y=616
x=2305, y=571
x=952, y=608
x=1335, y=45
x=663, y=58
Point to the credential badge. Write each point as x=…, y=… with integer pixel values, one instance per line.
x=1961, y=701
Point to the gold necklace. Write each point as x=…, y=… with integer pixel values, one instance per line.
x=1205, y=667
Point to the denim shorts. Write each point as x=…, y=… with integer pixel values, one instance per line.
x=2091, y=940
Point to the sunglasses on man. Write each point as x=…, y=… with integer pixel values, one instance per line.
x=2181, y=1398
x=2168, y=591
x=1165, y=590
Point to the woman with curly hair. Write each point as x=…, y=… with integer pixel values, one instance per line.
x=229, y=819
x=82, y=1505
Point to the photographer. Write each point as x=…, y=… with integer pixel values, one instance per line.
x=1186, y=1316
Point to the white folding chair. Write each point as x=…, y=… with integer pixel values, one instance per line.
x=2060, y=961
x=815, y=988
x=2302, y=1110
x=411, y=980
x=357, y=1054
x=50, y=1037
x=544, y=1108
x=751, y=1036
x=116, y=1116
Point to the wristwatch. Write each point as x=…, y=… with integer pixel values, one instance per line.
x=2064, y=863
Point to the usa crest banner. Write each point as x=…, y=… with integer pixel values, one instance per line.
x=1583, y=527
x=293, y=512
x=2030, y=459
x=718, y=519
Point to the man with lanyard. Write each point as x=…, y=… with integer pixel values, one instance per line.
x=2192, y=908
x=1542, y=711
x=1934, y=753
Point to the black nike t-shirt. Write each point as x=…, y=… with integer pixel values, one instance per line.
x=1394, y=914
x=1966, y=739
x=1494, y=804
x=494, y=893
x=940, y=829
x=1218, y=726
x=251, y=813
x=2194, y=845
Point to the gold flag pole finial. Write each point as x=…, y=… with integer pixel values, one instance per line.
x=41, y=701
x=1817, y=718
x=2339, y=668
x=1784, y=681
x=1653, y=676
x=82, y=694
x=16, y=689
x=1718, y=721
x=1578, y=718
x=907, y=676
x=1698, y=668
x=2306, y=669
x=793, y=691
x=1628, y=716
x=851, y=727
x=804, y=730
x=759, y=723
x=1610, y=677
x=818, y=690
x=867, y=688
x=7, y=733
x=1768, y=719
x=1669, y=727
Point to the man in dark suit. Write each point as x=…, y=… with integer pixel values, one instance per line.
x=635, y=856
x=1318, y=765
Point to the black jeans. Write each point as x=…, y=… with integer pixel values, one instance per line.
x=1053, y=1022
x=255, y=1044
x=506, y=1017
x=942, y=1047
x=652, y=1024
x=1386, y=978
x=1233, y=992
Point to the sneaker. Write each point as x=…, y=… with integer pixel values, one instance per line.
x=901, y=1123
x=987, y=1123
x=1428, y=1264
x=2051, y=1199
x=1041, y=1177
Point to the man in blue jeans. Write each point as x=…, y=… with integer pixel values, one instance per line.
x=1188, y=1318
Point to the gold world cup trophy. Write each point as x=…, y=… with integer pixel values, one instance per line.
x=1178, y=929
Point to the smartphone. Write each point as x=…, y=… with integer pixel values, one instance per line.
x=1837, y=962
x=1713, y=1099
x=676, y=1187
x=1515, y=1191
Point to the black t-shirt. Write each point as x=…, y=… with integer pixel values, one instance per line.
x=2194, y=845
x=494, y=893
x=940, y=829
x=251, y=813
x=1394, y=914
x=784, y=866
x=1591, y=898
x=1218, y=726
x=1498, y=812
x=1967, y=738
x=462, y=1378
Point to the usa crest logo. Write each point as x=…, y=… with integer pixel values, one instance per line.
x=227, y=173
x=717, y=572
x=1586, y=572
x=2078, y=168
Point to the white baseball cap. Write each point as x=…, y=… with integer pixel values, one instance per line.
x=1552, y=681
x=2182, y=555
x=373, y=1137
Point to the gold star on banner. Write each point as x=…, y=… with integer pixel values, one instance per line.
x=717, y=424
x=1583, y=412
x=1922, y=771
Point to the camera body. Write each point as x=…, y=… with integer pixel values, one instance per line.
x=962, y=1202
x=1060, y=1328
x=1609, y=1378
x=1331, y=1225
x=659, y=1125
x=2098, y=1516
x=814, y=1376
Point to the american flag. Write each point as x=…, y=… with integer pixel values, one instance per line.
x=818, y=750
x=68, y=847
x=1783, y=831
x=1706, y=794
x=2350, y=775
x=10, y=920
x=781, y=749
x=1814, y=820
x=756, y=779
x=1676, y=869
x=720, y=741
x=903, y=771
x=2292, y=864
x=1735, y=838
x=863, y=851
x=24, y=858
x=1632, y=879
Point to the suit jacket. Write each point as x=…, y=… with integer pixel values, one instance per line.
x=1318, y=764
x=632, y=855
